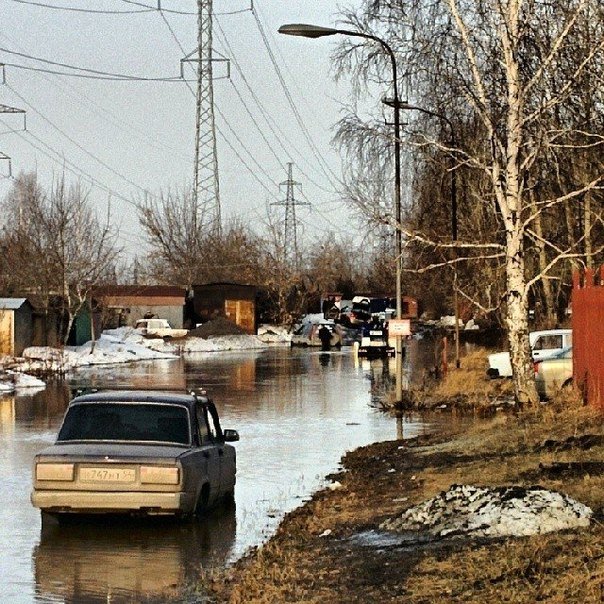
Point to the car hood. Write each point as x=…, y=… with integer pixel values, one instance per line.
x=131, y=452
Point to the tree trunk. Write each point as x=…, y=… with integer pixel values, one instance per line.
x=517, y=325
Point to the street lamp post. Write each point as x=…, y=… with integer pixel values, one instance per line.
x=315, y=31
x=445, y=119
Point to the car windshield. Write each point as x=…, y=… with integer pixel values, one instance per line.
x=140, y=422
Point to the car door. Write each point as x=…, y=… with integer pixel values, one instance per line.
x=225, y=452
x=209, y=450
x=547, y=345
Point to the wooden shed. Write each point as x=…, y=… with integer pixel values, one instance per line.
x=125, y=304
x=233, y=301
x=16, y=325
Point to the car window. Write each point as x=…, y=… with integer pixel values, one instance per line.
x=548, y=342
x=140, y=422
x=214, y=423
x=203, y=424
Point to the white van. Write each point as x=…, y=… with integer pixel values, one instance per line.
x=544, y=344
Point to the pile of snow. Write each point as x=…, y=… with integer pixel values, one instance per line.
x=11, y=380
x=274, y=334
x=127, y=345
x=185, y=345
x=221, y=343
x=107, y=350
x=492, y=512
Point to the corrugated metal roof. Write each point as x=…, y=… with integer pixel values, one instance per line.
x=11, y=303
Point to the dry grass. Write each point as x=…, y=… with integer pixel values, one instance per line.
x=470, y=382
x=299, y=565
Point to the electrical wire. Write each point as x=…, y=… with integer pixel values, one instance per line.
x=180, y=12
x=85, y=69
x=85, y=10
x=324, y=166
x=226, y=140
x=272, y=125
x=301, y=95
x=74, y=142
x=174, y=80
x=113, y=119
x=67, y=164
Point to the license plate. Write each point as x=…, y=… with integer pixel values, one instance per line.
x=107, y=474
x=375, y=333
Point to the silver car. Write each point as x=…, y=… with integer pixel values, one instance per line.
x=136, y=452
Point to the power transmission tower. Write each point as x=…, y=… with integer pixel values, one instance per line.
x=206, y=188
x=290, y=234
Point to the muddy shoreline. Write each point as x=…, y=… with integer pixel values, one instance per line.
x=331, y=549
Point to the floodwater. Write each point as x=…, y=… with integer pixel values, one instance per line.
x=297, y=411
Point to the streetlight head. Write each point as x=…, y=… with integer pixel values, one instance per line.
x=306, y=31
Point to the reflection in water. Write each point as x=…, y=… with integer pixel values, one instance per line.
x=130, y=561
x=297, y=412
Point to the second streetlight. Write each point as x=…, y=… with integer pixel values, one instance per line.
x=315, y=31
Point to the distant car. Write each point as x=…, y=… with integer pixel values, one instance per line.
x=138, y=453
x=374, y=341
x=554, y=373
x=543, y=344
x=159, y=328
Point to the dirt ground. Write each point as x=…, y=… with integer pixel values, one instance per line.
x=331, y=549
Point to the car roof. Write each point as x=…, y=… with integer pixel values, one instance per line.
x=140, y=396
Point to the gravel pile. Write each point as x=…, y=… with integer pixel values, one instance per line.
x=216, y=327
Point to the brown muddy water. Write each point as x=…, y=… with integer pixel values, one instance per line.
x=297, y=411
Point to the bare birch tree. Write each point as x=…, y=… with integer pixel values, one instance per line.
x=515, y=69
x=58, y=246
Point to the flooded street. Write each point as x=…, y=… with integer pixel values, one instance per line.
x=297, y=411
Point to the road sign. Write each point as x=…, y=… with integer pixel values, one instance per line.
x=399, y=327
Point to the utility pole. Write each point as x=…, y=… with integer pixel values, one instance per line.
x=290, y=234
x=206, y=188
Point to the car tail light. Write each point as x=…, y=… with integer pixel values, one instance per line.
x=536, y=365
x=159, y=475
x=54, y=471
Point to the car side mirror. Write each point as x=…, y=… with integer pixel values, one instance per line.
x=230, y=436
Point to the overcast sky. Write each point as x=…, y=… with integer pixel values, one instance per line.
x=126, y=137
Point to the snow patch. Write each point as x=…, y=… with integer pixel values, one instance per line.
x=109, y=349
x=274, y=334
x=222, y=343
x=492, y=512
x=12, y=380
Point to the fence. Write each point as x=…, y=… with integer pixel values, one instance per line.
x=588, y=334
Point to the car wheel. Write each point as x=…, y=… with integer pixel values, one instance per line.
x=567, y=385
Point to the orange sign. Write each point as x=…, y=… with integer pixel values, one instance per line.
x=399, y=327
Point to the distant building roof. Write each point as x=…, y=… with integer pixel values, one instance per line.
x=12, y=303
x=163, y=291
